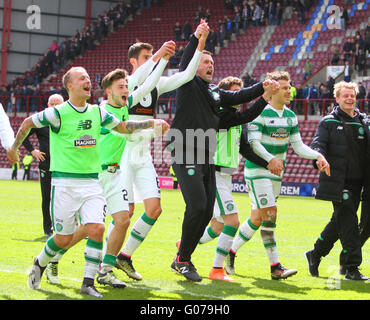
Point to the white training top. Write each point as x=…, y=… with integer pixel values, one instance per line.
x=138, y=144
x=269, y=135
x=6, y=131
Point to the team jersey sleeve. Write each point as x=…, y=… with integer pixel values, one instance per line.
x=298, y=146
x=140, y=75
x=48, y=117
x=255, y=130
x=148, y=85
x=6, y=131
x=304, y=151
x=108, y=120
x=246, y=149
x=167, y=84
x=294, y=133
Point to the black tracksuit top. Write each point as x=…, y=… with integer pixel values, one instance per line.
x=198, y=105
x=345, y=143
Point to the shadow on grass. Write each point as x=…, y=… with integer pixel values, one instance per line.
x=40, y=239
x=218, y=290
x=134, y=291
x=280, y=286
x=338, y=283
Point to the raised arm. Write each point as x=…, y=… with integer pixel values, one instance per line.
x=192, y=46
x=229, y=119
x=146, y=68
x=232, y=98
x=139, y=76
x=167, y=84
x=148, y=85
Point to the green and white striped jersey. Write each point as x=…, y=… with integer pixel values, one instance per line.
x=274, y=130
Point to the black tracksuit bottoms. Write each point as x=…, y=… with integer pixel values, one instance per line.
x=198, y=187
x=343, y=226
x=45, y=183
x=365, y=217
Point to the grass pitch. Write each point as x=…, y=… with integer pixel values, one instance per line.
x=300, y=220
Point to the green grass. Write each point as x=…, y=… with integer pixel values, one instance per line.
x=300, y=220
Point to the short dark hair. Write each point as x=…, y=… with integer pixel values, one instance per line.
x=207, y=52
x=135, y=49
x=112, y=76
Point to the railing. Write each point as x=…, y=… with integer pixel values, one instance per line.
x=306, y=107
x=26, y=105
x=321, y=107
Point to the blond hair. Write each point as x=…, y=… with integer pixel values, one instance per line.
x=278, y=75
x=228, y=82
x=343, y=84
x=67, y=76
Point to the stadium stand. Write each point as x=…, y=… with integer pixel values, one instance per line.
x=258, y=50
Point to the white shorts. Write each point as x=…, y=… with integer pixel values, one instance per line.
x=69, y=204
x=224, y=204
x=140, y=178
x=263, y=192
x=116, y=194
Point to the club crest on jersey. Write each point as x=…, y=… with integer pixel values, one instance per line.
x=213, y=91
x=216, y=96
x=85, y=141
x=280, y=133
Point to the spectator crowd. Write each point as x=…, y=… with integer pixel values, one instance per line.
x=24, y=93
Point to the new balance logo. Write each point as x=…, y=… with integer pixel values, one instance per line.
x=184, y=270
x=84, y=125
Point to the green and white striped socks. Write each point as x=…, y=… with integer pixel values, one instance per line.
x=49, y=251
x=138, y=233
x=108, y=263
x=109, y=230
x=269, y=242
x=208, y=235
x=246, y=233
x=93, y=251
x=59, y=256
x=224, y=244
